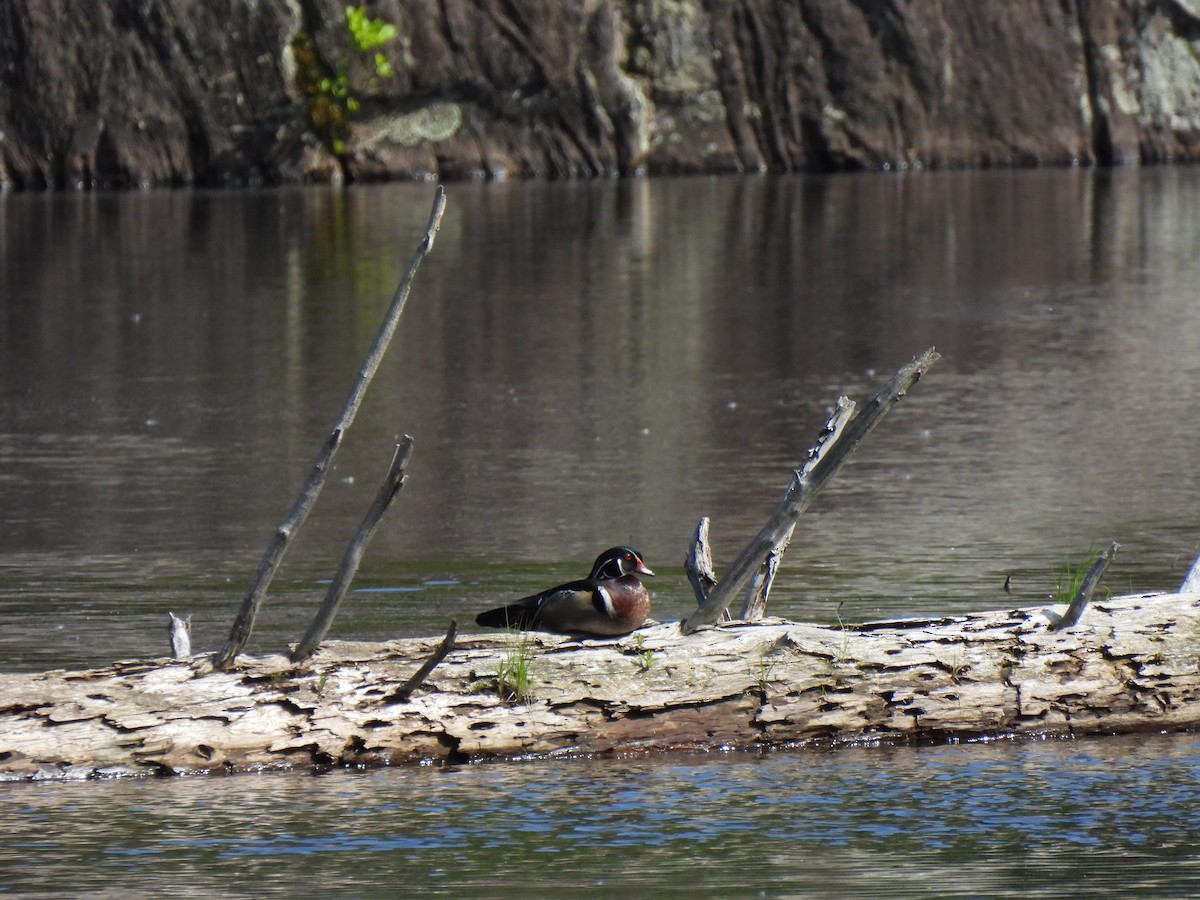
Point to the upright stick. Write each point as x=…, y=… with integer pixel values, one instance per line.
x=804, y=490
x=1191, y=581
x=244, y=624
x=759, y=587
x=392, y=484
x=1086, y=588
x=699, y=564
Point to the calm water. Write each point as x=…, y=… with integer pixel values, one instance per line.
x=1103, y=818
x=589, y=364
x=583, y=365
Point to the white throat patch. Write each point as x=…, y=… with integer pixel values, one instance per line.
x=606, y=599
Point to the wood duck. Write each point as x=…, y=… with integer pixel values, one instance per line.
x=610, y=601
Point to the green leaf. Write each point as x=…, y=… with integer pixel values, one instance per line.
x=367, y=34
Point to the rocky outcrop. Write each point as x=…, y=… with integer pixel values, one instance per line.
x=117, y=93
x=123, y=93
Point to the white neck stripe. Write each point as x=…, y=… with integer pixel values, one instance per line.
x=606, y=599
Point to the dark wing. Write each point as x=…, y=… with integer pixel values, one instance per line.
x=526, y=613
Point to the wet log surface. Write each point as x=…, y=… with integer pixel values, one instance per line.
x=1131, y=664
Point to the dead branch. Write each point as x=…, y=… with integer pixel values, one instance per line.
x=405, y=690
x=1087, y=587
x=244, y=624
x=393, y=483
x=805, y=489
x=759, y=588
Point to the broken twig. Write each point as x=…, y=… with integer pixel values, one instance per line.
x=405, y=690
x=180, y=630
x=1191, y=581
x=699, y=565
x=1087, y=587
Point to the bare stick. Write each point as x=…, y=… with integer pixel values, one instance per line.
x=244, y=624
x=1192, y=581
x=393, y=483
x=699, y=565
x=1086, y=588
x=404, y=691
x=805, y=489
x=759, y=588
x=180, y=630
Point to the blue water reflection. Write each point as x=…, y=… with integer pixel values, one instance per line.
x=970, y=820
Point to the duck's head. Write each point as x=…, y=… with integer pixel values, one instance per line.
x=617, y=562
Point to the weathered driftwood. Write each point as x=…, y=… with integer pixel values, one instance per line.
x=393, y=483
x=243, y=625
x=754, y=604
x=838, y=441
x=1131, y=664
x=179, y=632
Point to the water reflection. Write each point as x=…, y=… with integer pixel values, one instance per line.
x=582, y=365
x=978, y=820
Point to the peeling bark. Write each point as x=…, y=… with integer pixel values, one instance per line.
x=1130, y=665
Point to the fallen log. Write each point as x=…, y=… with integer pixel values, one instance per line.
x=1129, y=665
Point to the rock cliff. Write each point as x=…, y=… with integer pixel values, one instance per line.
x=113, y=93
